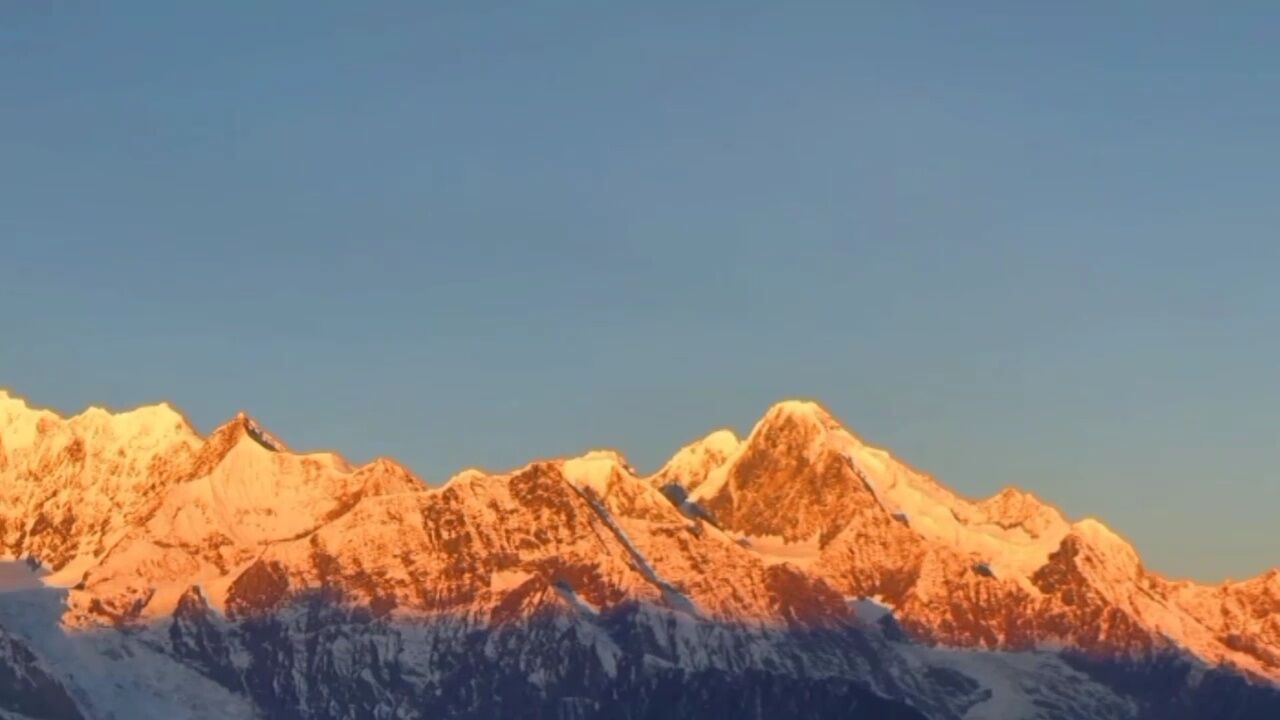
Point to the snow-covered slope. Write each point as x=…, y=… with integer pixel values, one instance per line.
x=238, y=497
x=29, y=687
x=106, y=674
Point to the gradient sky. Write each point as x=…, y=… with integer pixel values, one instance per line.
x=1016, y=245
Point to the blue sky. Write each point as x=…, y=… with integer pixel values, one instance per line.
x=1017, y=245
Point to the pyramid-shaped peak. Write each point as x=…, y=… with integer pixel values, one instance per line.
x=1013, y=499
x=1015, y=507
x=792, y=421
x=384, y=476
x=244, y=425
x=1106, y=544
x=384, y=464
x=1011, y=492
x=260, y=434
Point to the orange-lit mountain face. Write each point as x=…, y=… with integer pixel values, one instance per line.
x=798, y=530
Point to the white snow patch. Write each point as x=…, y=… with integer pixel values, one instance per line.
x=774, y=549
x=72, y=573
x=507, y=580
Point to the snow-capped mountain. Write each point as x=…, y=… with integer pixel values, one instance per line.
x=797, y=571
x=1025, y=575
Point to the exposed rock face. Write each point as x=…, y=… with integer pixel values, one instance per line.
x=734, y=581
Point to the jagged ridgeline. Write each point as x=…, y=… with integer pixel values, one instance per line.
x=798, y=572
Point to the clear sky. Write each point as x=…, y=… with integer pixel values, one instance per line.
x=1015, y=244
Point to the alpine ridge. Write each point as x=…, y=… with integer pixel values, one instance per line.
x=796, y=571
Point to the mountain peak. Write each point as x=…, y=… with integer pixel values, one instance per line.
x=603, y=455
x=1011, y=493
x=792, y=421
x=1093, y=529
x=595, y=469
x=14, y=407
x=1097, y=533
x=466, y=474
x=231, y=434
x=142, y=428
x=691, y=465
x=258, y=433
x=806, y=410
x=384, y=476
x=1013, y=506
x=8, y=398
x=793, y=477
x=149, y=420
x=723, y=439
x=386, y=464
x=1115, y=553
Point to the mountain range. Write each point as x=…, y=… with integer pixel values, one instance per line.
x=153, y=572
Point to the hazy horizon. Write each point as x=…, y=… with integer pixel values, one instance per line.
x=1020, y=247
